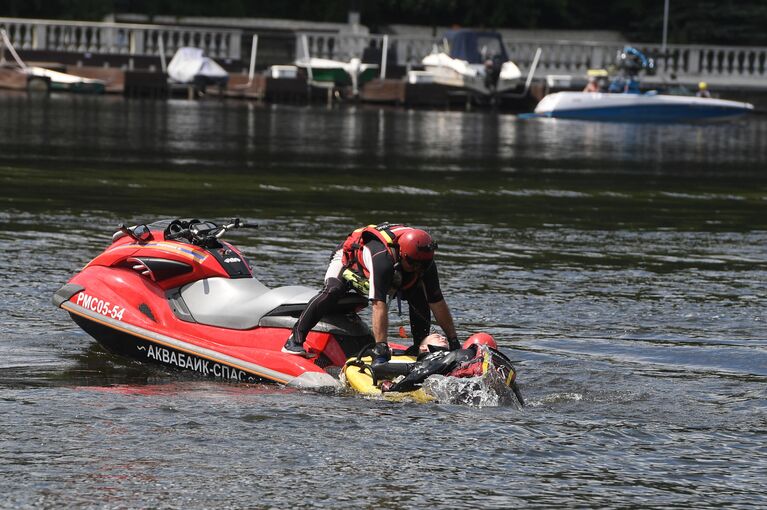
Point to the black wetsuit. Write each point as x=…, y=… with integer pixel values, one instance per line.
x=438, y=362
x=386, y=278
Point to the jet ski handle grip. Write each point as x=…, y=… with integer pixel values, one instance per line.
x=236, y=223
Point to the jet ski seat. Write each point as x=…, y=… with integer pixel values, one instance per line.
x=242, y=303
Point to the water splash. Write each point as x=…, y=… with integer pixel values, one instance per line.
x=488, y=390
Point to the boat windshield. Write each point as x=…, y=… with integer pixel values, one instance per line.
x=475, y=47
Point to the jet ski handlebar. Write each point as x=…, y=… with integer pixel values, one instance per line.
x=201, y=233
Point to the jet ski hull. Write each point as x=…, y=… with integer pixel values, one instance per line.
x=244, y=364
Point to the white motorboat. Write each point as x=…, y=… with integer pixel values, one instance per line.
x=623, y=101
x=336, y=72
x=630, y=107
x=472, y=60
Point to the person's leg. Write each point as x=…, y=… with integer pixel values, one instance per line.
x=318, y=306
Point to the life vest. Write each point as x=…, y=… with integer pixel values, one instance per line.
x=483, y=361
x=387, y=234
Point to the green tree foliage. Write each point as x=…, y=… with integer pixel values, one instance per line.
x=691, y=21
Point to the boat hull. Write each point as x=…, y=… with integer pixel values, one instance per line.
x=462, y=76
x=638, y=107
x=337, y=72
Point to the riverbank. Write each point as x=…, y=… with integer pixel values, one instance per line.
x=131, y=57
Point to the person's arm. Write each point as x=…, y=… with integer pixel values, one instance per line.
x=439, y=307
x=380, y=321
x=444, y=318
x=436, y=363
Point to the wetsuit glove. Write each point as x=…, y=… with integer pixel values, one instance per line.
x=453, y=343
x=381, y=353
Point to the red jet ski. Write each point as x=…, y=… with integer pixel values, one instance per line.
x=172, y=292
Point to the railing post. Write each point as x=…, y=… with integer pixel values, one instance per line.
x=694, y=61
x=27, y=42
x=235, y=45
x=253, y=53
x=306, y=55
x=81, y=35
x=40, y=35
x=597, y=57
x=161, y=50
x=384, y=53
x=106, y=38
x=139, y=43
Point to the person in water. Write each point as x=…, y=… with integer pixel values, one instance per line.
x=379, y=262
x=703, y=90
x=435, y=357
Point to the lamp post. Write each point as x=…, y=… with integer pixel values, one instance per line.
x=665, y=27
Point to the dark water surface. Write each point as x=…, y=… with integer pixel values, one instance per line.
x=623, y=267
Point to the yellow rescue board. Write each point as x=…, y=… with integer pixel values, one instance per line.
x=360, y=380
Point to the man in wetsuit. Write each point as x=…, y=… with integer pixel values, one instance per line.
x=381, y=261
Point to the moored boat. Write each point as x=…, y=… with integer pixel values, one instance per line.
x=38, y=78
x=647, y=107
x=190, y=66
x=473, y=60
x=327, y=73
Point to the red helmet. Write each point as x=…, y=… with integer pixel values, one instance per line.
x=480, y=339
x=415, y=245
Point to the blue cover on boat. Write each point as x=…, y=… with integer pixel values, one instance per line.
x=474, y=46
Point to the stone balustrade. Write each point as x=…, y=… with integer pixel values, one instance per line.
x=568, y=57
x=726, y=64
x=118, y=38
x=730, y=65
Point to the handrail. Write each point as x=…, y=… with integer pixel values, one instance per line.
x=119, y=38
x=114, y=24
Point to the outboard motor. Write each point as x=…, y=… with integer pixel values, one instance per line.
x=493, y=71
